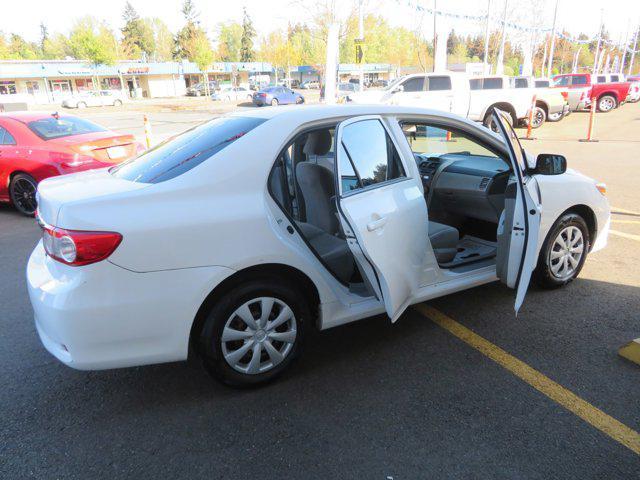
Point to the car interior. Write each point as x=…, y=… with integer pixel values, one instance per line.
x=465, y=185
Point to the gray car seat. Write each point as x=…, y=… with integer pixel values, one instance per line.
x=444, y=241
x=322, y=228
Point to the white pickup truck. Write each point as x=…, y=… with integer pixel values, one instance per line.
x=451, y=92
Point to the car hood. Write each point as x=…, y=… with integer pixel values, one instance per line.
x=370, y=96
x=76, y=189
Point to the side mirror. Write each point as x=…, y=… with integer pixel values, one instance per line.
x=550, y=164
x=397, y=89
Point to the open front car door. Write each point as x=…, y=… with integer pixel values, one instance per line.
x=520, y=220
x=382, y=211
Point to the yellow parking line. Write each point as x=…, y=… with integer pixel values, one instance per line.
x=556, y=392
x=626, y=222
x=625, y=235
x=622, y=210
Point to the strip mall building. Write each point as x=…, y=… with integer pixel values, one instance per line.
x=43, y=81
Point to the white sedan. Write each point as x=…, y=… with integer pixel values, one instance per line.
x=228, y=93
x=98, y=98
x=229, y=241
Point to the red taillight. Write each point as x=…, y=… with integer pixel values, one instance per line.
x=70, y=160
x=76, y=248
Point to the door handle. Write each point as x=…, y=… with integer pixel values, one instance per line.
x=376, y=224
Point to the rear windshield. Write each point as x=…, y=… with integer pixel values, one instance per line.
x=189, y=149
x=50, y=128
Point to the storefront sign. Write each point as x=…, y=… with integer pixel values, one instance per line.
x=137, y=70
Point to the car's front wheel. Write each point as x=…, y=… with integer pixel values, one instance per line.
x=563, y=253
x=254, y=332
x=22, y=190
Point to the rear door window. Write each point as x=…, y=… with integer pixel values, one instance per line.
x=579, y=80
x=189, y=149
x=520, y=83
x=561, y=81
x=439, y=83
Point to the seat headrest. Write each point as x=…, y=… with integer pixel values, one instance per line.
x=318, y=143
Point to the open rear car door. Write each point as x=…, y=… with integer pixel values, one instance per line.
x=382, y=211
x=520, y=220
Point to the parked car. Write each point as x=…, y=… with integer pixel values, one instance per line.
x=276, y=96
x=229, y=93
x=36, y=146
x=343, y=91
x=99, y=98
x=608, y=95
x=137, y=267
x=310, y=85
x=634, y=92
x=551, y=104
x=453, y=92
x=199, y=89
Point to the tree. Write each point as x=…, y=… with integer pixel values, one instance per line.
x=162, y=39
x=192, y=43
x=56, y=47
x=4, y=47
x=229, y=42
x=246, y=42
x=137, y=37
x=44, y=36
x=92, y=40
x=20, y=49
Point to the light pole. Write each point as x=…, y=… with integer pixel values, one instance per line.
x=633, y=52
x=500, y=63
x=486, y=40
x=553, y=40
x=595, y=60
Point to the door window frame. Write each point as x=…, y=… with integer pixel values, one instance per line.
x=383, y=120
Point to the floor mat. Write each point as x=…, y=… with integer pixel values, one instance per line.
x=471, y=249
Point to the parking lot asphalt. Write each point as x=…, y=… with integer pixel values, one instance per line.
x=368, y=400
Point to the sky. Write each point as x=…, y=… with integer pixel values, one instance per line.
x=574, y=15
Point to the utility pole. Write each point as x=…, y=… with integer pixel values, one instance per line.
x=361, y=36
x=500, y=63
x=595, y=61
x=486, y=40
x=553, y=40
x=435, y=35
x=633, y=52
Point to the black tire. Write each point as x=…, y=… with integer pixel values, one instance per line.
x=606, y=103
x=22, y=191
x=210, y=341
x=539, y=117
x=299, y=100
x=543, y=276
x=555, y=117
x=274, y=102
x=488, y=121
x=117, y=103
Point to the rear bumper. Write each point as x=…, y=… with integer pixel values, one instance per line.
x=103, y=316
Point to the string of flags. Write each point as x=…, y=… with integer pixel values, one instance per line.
x=514, y=26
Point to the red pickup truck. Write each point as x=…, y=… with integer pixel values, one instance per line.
x=608, y=95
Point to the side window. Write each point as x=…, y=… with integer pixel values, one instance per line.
x=475, y=84
x=601, y=79
x=6, y=138
x=439, y=83
x=520, y=83
x=373, y=157
x=579, y=80
x=561, y=81
x=415, y=84
x=492, y=83
x=434, y=141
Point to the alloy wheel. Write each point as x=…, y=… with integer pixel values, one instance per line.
x=538, y=118
x=259, y=335
x=606, y=104
x=566, y=252
x=23, y=195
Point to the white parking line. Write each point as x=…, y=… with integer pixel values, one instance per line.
x=625, y=235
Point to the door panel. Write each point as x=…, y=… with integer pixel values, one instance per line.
x=382, y=211
x=520, y=220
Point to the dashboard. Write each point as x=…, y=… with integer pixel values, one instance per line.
x=464, y=184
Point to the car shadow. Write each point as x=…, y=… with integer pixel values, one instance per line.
x=354, y=357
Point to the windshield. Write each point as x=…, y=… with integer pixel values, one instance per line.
x=180, y=154
x=50, y=128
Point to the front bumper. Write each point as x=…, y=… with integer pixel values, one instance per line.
x=103, y=316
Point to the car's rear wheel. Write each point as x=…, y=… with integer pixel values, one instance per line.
x=606, y=103
x=82, y=105
x=117, y=103
x=254, y=332
x=563, y=253
x=299, y=100
x=274, y=102
x=22, y=190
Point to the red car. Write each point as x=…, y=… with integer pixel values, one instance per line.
x=608, y=95
x=35, y=146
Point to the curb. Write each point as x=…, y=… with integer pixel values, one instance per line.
x=631, y=351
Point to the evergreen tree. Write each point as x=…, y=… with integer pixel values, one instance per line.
x=137, y=37
x=246, y=42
